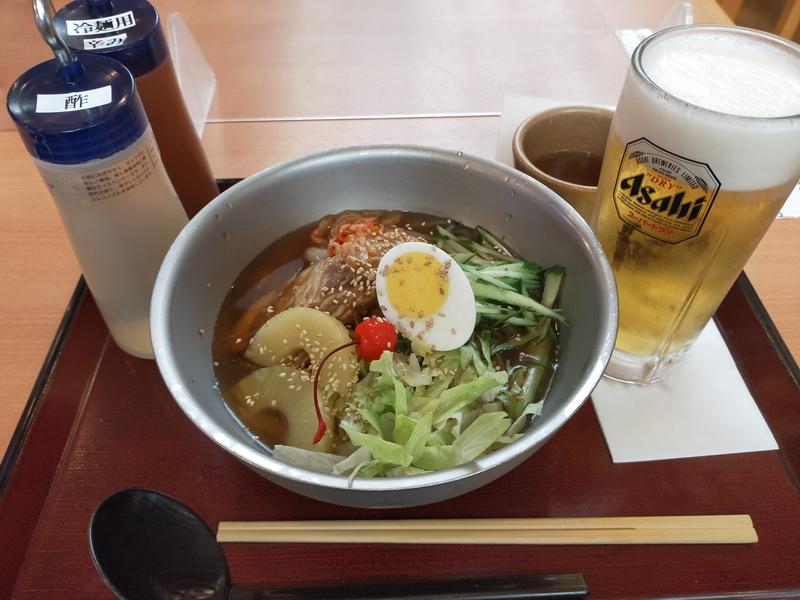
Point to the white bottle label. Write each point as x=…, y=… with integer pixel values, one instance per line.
x=55, y=103
x=112, y=41
x=122, y=178
x=108, y=24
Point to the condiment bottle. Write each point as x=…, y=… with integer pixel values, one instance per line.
x=130, y=31
x=87, y=131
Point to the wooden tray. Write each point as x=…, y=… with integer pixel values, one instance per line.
x=100, y=420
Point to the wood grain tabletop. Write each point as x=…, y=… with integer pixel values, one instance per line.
x=298, y=76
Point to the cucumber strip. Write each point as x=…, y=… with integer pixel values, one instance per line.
x=514, y=343
x=497, y=244
x=473, y=274
x=552, y=284
x=505, y=317
x=451, y=240
x=483, y=291
x=484, y=251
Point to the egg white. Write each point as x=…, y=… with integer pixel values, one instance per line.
x=452, y=325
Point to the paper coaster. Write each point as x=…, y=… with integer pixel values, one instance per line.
x=703, y=408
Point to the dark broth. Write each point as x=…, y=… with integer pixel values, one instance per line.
x=261, y=283
x=580, y=168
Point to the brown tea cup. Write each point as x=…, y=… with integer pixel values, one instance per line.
x=563, y=148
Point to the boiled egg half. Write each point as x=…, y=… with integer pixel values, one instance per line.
x=426, y=296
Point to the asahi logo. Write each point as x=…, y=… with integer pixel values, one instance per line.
x=673, y=206
x=661, y=194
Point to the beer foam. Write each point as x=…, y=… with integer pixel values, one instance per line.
x=732, y=72
x=727, y=75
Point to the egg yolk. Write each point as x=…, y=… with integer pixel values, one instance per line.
x=416, y=285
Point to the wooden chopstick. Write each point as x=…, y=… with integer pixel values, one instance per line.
x=703, y=529
x=659, y=522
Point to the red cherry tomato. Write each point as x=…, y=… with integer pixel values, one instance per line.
x=373, y=336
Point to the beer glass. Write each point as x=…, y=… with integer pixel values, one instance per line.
x=703, y=150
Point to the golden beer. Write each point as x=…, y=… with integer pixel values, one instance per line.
x=690, y=183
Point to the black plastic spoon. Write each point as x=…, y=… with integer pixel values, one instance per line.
x=148, y=546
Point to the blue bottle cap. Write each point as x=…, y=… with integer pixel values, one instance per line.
x=73, y=117
x=126, y=30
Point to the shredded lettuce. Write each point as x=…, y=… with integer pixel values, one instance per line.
x=384, y=365
x=474, y=441
x=435, y=458
x=415, y=443
x=371, y=418
x=460, y=396
x=321, y=462
x=354, y=461
x=476, y=438
x=403, y=427
x=426, y=431
x=400, y=398
x=381, y=449
x=412, y=373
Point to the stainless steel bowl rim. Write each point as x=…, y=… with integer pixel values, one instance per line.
x=167, y=359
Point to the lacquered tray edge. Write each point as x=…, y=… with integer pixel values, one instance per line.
x=768, y=325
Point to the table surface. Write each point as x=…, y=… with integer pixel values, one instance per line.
x=283, y=66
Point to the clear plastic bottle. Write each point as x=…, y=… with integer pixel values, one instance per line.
x=84, y=125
